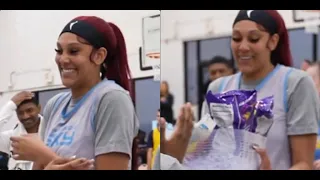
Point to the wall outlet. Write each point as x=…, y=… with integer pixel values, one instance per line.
x=49, y=78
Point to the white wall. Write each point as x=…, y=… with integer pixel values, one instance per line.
x=180, y=25
x=28, y=39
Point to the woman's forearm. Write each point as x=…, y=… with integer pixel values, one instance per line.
x=45, y=158
x=301, y=166
x=149, y=158
x=37, y=166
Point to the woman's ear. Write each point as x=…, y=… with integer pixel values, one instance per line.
x=99, y=56
x=273, y=42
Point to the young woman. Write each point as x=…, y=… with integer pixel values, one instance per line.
x=260, y=46
x=96, y=119
x=166, y=102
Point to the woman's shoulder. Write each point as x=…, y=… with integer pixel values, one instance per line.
x=115, y=98
x=110, y=89
x=55, y=99
x=295, y=73
x=52, y=102
x=116, y=94
x=297, y=77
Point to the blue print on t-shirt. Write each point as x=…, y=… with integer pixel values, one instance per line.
x=61, y=137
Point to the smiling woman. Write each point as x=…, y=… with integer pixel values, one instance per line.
x=96, y=121
x=260, y=46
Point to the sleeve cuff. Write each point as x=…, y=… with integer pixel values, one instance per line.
x=114, y=147
x=12, y=105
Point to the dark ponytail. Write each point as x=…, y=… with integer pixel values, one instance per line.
x=119, y=71
x=282, y=54
x=118, y=68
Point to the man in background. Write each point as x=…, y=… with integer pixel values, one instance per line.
x=153, y=143
x=27, y=108
x=219, y=67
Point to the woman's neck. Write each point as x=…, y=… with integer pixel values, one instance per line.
x=80, y=91
x=258, y=75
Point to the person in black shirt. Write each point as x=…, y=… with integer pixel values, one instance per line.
x=166, y=102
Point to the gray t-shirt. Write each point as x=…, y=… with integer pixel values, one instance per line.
x=115, y=122
x=302, y=104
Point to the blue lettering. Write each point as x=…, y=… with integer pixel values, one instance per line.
x=67, y=139
x=62, y=137
x=56, y=140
